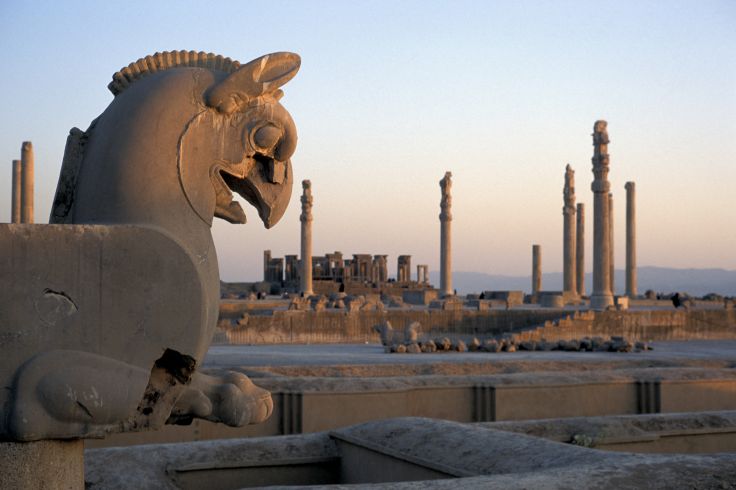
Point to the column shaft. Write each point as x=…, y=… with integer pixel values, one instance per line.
x=612, y=269
x=580, y=250
x=631, y=279
x=568, y=235
x=601, y=297
x=536, y=269
x=306, y=249
x=16, y=193
x=446, y=236
x=26, y=159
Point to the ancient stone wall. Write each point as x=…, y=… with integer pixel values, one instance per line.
x=552, y=324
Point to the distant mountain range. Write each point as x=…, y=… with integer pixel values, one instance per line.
x=696, y=282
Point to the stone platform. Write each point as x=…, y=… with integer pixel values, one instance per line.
x=405, y=453
x=246, y=323
x=325, y=387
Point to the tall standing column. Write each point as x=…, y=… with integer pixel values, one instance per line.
x=568, y=236
x=536, y=270
x=601, y=297
x=306, y=219
x=26, y=162
x=16, y=193
x=446, y=236
x=611, y=268
x=631, y=286
x=580, y=250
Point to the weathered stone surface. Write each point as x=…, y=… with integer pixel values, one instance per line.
x=580, y=250
x=26, y=182
x=413, y=348
x=105, y=329
x=306, y=249
x=446, y=236
x=568, y=237
x=602, y=297
x=536, y=271
x=631, y=279
x=42, y=465
x=488, y=455
x=17, y=191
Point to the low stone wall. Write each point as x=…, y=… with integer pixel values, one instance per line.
x=639, y=325
x=315, y=327
x=307, y=404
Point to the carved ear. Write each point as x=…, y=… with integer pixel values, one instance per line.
x=260, y=76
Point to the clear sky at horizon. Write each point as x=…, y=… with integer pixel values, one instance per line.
x=392, y=94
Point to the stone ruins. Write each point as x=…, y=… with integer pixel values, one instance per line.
x=331, y=272
x=580, y=250
x=568, y=243
x=536, y=271
x=21, y=209
x=119, y=296
x=107, y=315
x=602, y=297
x=446, y=236
x=631, y=288
x=306, y=250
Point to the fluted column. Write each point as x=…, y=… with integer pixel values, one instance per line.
x=306, y=219
x=631, y=286
x=26, y=162
x=580, y=250
x=16, y=193
x=446, y=236
x=536, y=270
x=568, y=235
x=601, y=297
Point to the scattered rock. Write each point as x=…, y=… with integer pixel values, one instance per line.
x=386, y=331
x=411, y=332
x=528, y=345
x=444, y=344
x=413, y=348
x=460, y=346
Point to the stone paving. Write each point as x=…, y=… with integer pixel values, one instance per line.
x=336, y=354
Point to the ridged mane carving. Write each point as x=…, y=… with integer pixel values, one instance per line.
x=165, y=61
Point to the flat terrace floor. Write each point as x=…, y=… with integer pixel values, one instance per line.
x=704, y=353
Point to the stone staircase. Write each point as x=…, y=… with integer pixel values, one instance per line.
x=574, y=326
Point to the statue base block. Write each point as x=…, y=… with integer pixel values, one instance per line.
x=46, y=465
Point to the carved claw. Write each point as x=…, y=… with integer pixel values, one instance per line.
x=231, y=399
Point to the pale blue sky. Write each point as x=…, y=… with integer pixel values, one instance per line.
x=392, y=94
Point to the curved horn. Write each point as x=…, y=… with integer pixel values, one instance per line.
x=260, y=76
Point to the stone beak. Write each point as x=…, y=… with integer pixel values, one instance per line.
x=267, y=187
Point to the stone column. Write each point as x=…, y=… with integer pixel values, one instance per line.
x=16, y=193
x=601, y=297
x=580, y=250
x=611, y=268
x=26, y=162
x=536, y=270
x=446, y=236
x=306, y=219
x=568, y=240
x=266, y=262
x=631, y=286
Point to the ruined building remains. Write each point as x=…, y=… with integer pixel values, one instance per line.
x=568, y=241
x=601, y=297
x=446, y=236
